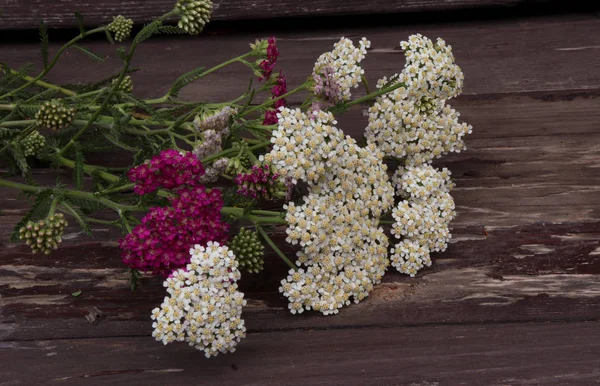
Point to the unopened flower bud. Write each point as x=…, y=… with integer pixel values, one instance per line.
x=33, y=143
x=126, y=85
x=249, y=251
x=44, y=236
x=120, y=27
x=195, y=14
x=55, y=114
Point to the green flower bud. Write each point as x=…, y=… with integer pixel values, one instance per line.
x=248, y=250
x=55, y=114
x=234, y=166
x=126, y=85
x=44, y=236
x=195, y=14
x=33, y=143
x=120, y=27
x=259, y=48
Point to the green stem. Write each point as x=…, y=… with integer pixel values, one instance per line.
x=72, y=193
x=122, y=188
x=236, y=212
x=18, y=123
x=374, y=95
x=113, y=89
x=271, y=220
x=99, y=221
x=41, y=83
x=266, y=212
x=54, y=60
x=272, y=101
x=87, y=94
x=364, y=81
x=52, y=207
x=232, y=150
x=275, y=248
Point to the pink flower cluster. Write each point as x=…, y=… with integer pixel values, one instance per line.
x=170, y=169
x=268, y=64
x=260, y=182
x=278, y=90
x=161, y=243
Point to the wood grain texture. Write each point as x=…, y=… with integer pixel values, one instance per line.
x=548, y=354
x=25, y=15
x=526, y=246
x=506, y=56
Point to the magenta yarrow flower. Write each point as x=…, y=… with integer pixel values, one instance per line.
x=170, y=169
x=261, y=182
x=268, y=64
x=278, y=90
x=161, y=243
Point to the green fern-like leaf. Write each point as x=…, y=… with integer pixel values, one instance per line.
x=39, y=210
x=18, y=156
x=117, y=142
x=78, y=173
x=185, y=79
x=171, y=30
x=45, y=43
x=8, y=133
x=148, y=30
x=121, y=53
x=77, y=215
x=89, y=53
x=84, y=204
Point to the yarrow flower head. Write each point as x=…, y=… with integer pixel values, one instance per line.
x=120, y=27
x=44, y=235
x=195, y=14
x=203, y=306
x=422, y=218
x=215, y=120
x=214, y=171
x=267, y=65
x=402, y=129
x=55, y=114
x=160, y=243
x=33, y=143
x=430, y=69
x=337, y=72
x=260, y=182
x=248, y=249
x=170, y=169
x=343, y=249
x=279, y=89
x=126, y=85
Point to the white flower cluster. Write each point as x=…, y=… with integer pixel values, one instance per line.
x=431, y=69
x=413, y=122
x=423, y=218
x=343, y=248
x=204, y=306
x=402, y=129
x=338, y=71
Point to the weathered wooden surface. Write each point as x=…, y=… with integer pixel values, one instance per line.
x=532, y=354
x=526, y=244
x=24, y=15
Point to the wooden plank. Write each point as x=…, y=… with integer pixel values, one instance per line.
x=501, y=56
x=540, y=272
x=17, y=15
x=549, y=354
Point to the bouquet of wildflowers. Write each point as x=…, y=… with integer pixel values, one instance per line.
x=198, y=167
